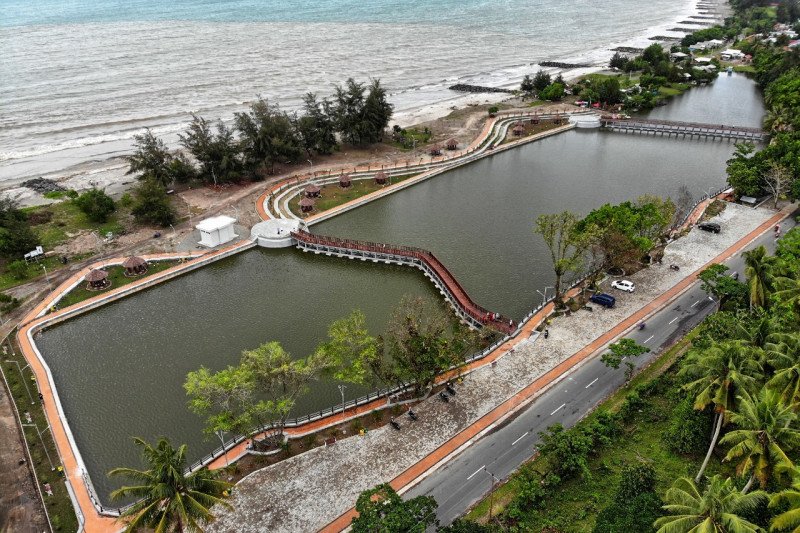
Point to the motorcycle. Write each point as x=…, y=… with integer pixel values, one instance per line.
x=412, y=415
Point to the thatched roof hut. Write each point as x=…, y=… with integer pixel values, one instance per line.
x=381, y=177
x=452, y=144
x=312, y=190
x=518, y=129
x=344, y=181
x=134, y=266
x=306, y=205
x=436, y=150
x=98, y=279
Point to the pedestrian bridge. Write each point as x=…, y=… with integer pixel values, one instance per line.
x=472, y=313
x=685, y=129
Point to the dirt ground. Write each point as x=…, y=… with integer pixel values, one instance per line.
x=20, y=507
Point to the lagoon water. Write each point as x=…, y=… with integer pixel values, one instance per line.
x=78, y=79
x=119, y=370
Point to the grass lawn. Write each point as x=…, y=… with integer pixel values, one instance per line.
x=118, y=278
x=332, y=195
x=744, y=69
x=55, y=223
x=59, y=506
x=573, y=505
x=530, y=129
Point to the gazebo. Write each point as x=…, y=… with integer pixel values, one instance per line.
x=436, y=150
x=452, y=144
x=134, y=266
x=344, y=181
x=518, y=130
x=306, y=205
x=381, y=178
x=312, y=191
x=97, y=280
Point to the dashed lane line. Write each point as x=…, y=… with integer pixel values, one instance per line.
x=520, y=438
x=560, y=407
x=592, y=383
x=475, y=472
x=674, y=319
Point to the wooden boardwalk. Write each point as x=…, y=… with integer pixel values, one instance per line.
x=684, y=129
x=448, y=285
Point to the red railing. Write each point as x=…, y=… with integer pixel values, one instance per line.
x=452, y=285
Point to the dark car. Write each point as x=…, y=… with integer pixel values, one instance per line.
x=606, y=300
x=713, y=227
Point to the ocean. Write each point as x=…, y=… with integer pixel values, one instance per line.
x=79, y=78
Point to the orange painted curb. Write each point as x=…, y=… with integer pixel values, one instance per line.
x=541, y=383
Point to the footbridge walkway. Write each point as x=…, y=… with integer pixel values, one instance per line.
x=690, y=129
x=448, y=285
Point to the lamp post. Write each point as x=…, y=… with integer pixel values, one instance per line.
x=47, y=277
x=544, y=294
x=491, y=493
x=341, y=390
x=708, y=194
x=44, y=447
x=21, y=375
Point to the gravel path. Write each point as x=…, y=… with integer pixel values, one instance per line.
x=306, y=492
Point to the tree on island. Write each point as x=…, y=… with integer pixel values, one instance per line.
x=382, y=510
x=167, y=498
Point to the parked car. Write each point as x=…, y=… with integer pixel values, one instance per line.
x=606, y=300
x=713, y=227
x=623, y=285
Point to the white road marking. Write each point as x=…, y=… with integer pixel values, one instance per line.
x=674, y=319
x=519, y=439
x=697, y=302
x=710, y=298
x=560, y=407
x=475, y=472
x=592, y=383
x=649, y=338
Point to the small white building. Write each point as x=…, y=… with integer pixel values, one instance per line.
x=216, y=230
x=731, y=54
x=678, y=56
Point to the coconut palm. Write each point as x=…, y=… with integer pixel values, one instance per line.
x=758, y=269
x=718, y=374
x=786, y=382
x=765, y=431
x=788, y=520
x=788, y=290
x=716, y=509
x=778, y=119
x=168, y=499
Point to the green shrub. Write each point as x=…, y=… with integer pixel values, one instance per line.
x=493, y=110
x=18, y=269
x=96, y=204
x=126, y=200
x=688, y=428
x=633, y=403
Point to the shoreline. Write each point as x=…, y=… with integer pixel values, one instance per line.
x=109, y=172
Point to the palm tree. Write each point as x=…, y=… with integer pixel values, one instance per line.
x=764, y=434
x=715, y=510
x=789, y=519
x=168, y=499
x=778, y=119
x=788, y=290
x=718, y=374
x=758, y=269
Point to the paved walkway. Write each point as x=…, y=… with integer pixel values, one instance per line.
x=303, y=492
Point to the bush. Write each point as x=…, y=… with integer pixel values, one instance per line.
x=633, y=403
x=8, y=303
x=493, y=110
x=635, y=506
x=126, y=200
x=568, y=450
x=18, y=269
x=96, y=204
x=152, y=204
x=552, y=92
x=688, y=428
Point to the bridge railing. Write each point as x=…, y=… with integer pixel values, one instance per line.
x=465, y=302
x=680, y=124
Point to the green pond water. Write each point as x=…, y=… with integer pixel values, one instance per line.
x=119, y=370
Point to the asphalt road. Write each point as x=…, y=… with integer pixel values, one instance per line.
x=469, y=476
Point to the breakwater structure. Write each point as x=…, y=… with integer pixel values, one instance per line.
x=452, y=291
x=683, y=129
x=467, y=88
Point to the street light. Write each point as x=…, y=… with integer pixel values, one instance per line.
x=21, y=375
x=491, y=493
x=341, y=389
x=544, y=294
x=47, y=278
x=43, y=444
